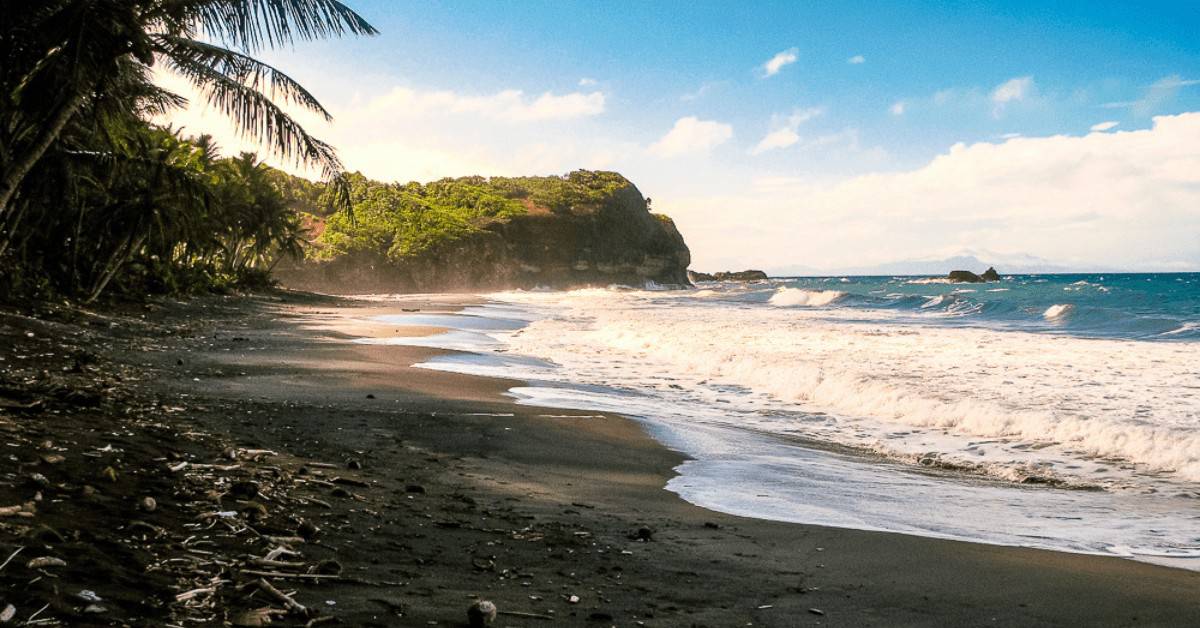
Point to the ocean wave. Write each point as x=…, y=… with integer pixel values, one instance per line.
x=1078, y=397
x=1057, y=311
x=796, y=297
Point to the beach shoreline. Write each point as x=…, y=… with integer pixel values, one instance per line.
x=564, y=514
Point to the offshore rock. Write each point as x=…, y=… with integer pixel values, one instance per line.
x=741, y=275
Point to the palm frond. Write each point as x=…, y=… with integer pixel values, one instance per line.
x=242, y=68
x=256, y=117
x=255, y=24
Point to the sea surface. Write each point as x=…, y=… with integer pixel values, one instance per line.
x=1055, y=411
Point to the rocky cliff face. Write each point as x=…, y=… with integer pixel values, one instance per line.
x=613, y=241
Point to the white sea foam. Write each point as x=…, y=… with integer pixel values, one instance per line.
x=796, y=297
x=1052, y=400
x=934, y=301
x=1058, y=310
x=733, y=387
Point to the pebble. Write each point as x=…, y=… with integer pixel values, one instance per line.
x=7, y=614
x=46, y=561
x=148, y=504
x=481, y=613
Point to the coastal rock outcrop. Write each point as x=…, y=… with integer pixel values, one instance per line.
x=609, y=238
x=966, y=276
x=741, y=275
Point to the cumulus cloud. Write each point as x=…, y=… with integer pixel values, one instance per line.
x=785, y=132
x=1105, y=126
x=586, y=82
x=421, y=134
x=898, y=108
x=1121, y=199
x=691, y=135
x=856, y=60
x=781, y=59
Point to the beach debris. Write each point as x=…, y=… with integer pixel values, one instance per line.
x=481, y=613
x=370, y=396
x=46, y=561
x=257, y=617
x=816, y=611
x=289, y=603
x=7, y=614
x=94, y=609
x=52, y=458
x=572, y=599
x=642, y=534
x=414, y=488
x=20, y=510
x=89, y=596
x=148, y=504
x=10, y=557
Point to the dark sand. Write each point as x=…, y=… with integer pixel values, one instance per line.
x=462, y=500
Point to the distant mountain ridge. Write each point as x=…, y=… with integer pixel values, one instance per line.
x=1020, y=264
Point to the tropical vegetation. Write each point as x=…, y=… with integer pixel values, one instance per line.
x=96, y=199
x=398, y=221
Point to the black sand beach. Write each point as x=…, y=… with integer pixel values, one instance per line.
x=429, y=490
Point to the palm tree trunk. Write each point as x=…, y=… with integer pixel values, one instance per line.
x=118, y=260
x=24, y=161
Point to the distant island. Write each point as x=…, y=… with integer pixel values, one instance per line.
x=585, y=228
x=741, y=275
x=966, y=276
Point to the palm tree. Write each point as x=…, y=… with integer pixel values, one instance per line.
x=58, y=56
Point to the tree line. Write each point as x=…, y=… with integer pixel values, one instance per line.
x=97, y=200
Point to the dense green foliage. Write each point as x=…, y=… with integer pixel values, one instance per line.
x=402, y=220
x=93, y=198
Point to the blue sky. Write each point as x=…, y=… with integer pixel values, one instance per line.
x=865, y=99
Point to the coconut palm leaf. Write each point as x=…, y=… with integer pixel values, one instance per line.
x=256, y=116
x=244, y=69
x=252, y=25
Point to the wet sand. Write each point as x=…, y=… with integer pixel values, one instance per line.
x=560, y=517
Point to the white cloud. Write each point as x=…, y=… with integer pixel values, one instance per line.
x=587, y=82
x=856, y=60
x=1101, y=199
x=1157, y=94
x=408, y=134
x=781, y=59
x=898, y=108
x=704, y=88
x=779, y=138
x=785, y=131
x=1012, y=90
x=510, y=105
x=1104, y=126
x=692, y=135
